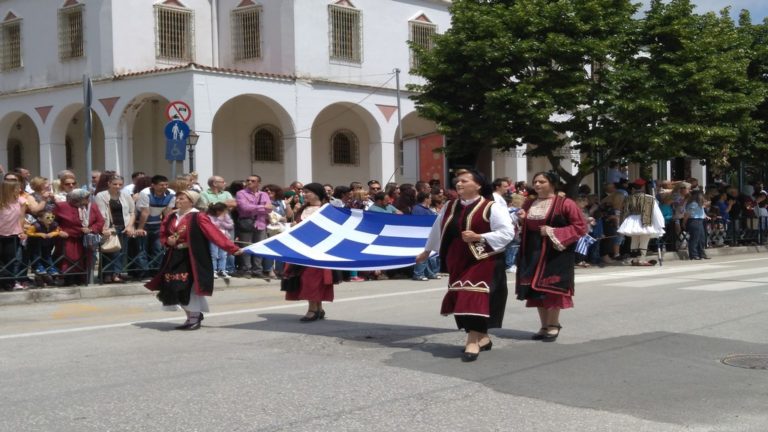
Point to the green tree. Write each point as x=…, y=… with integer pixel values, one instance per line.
x=698, y=65
x=552, y=74
x=755, y=137
x=586, y=74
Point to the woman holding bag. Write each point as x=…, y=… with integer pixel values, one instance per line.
x=119, y=213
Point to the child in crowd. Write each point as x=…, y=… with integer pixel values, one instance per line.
x=514, y=204
x=41, y=239
x=219, y=215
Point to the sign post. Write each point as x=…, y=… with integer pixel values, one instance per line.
x=176, y=133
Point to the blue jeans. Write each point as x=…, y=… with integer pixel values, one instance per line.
x=150, y=250
x=429, y=268
x=510, y=255
x=219, y=257
x=697, y=239
x=114, y=263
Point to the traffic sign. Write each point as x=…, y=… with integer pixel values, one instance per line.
x=175, y=150
x=178, y=110
x=177, y=130
x=176, y=133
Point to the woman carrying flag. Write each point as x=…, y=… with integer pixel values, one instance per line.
x=471, y=234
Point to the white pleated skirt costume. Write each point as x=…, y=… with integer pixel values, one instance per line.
x=633, y=225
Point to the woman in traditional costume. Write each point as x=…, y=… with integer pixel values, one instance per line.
x=186, y=277
x=551, y=226
x=315, y=285
x=471, y=234
x=643, y=220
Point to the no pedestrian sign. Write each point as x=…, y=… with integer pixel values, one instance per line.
x=178, y=110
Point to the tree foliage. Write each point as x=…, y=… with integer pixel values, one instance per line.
x=588, y=75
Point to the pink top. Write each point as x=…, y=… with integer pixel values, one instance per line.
x=9, y=218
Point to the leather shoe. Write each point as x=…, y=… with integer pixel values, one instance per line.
x=315, y=316
x=469, y=357
x=184, y=326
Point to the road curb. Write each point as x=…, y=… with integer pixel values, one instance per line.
x=47, y=295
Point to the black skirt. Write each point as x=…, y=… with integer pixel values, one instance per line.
x=177, y=279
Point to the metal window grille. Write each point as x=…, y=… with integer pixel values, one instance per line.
x=422, y=35
x=344, y=148
x=267, y=144
x=10, y=45
x=174, y=33
x=345, y=34
x=246, y=33
x=71, y=33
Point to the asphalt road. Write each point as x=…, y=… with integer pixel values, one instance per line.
x=641, y=351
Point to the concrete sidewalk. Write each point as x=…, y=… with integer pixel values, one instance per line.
x=36, y=295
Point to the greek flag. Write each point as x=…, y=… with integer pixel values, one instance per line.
x=583, y=244
x=349, y=239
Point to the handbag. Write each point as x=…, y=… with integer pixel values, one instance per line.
x=245, y=224
x=91, y=240
x=291, y=280
x=110, y=243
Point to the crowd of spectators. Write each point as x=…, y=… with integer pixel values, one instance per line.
x=44, y=225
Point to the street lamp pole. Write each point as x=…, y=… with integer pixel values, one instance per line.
x=191, y=143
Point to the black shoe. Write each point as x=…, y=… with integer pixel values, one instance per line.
x=315, y=316
x=321, y=315
x=540, y=334
x=184, y=326
x=486, y=347
x=469, y=357
x=195, y=325
x=552, y=337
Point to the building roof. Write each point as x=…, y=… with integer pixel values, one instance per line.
x=195, y=66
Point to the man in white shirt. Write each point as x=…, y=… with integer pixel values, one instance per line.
x=500, y=188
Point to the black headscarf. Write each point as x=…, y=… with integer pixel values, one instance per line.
x=317, y=189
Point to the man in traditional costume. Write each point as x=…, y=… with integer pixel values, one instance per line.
x=643, y=220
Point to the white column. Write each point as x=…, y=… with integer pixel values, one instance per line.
x=699, y=171
x=570, y=159
x=113, y=158
x=297, y=167
x=53, y=158
x=512, y=164
x=202, y=124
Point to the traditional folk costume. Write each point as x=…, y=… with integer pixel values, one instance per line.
x=477, y=279
x=186, y=276
x=75, y=262
x=545, y=269
x=643, y=220
x=316, y=284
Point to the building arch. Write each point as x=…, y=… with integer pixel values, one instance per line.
x=351, y=120
x=69, y=125
x=141, y=131
x=19, y=142
x=415, y=158
x=237, y=125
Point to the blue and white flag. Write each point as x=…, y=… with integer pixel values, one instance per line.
x=349, y=239
x=582, y=246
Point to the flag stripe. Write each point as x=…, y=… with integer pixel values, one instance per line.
x=349, y=240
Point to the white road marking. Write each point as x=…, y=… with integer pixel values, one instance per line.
x=235, y=312
x=720, y=286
